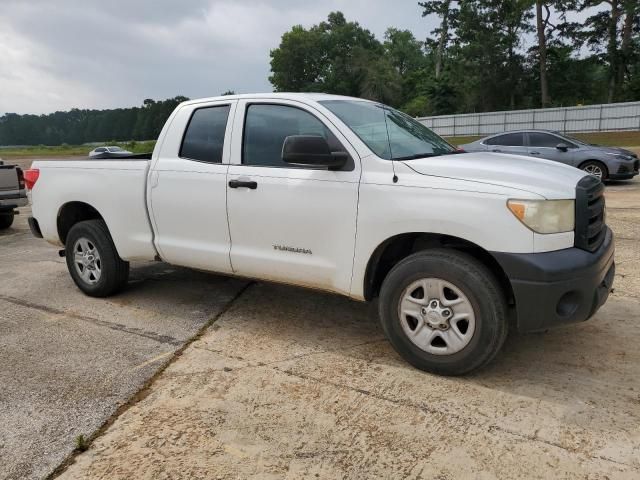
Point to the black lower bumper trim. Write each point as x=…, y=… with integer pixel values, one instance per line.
x=560, y=287
x=35, y=228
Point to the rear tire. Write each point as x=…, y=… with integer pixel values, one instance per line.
x=6, y=220
x=596, y=168
x=92, y=259
x=460, y=319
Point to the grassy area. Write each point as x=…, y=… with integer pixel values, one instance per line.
x=611, y=139
x=70, y=150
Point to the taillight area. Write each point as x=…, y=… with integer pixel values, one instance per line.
x=20, y=178
x=31, y=177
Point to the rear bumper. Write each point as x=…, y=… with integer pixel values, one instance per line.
x=561, y=287
x=11, y=201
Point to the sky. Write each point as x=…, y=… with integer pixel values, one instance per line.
x=62, y=54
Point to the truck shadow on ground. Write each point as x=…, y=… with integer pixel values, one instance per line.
x=582, y=367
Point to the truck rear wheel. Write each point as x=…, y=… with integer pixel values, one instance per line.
x=6, y=220
x=92, y=259
x=443, y=311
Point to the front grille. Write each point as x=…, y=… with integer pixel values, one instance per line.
x=590, y=226
x=636, y=165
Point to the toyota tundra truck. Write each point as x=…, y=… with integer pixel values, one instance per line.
x=348, y=196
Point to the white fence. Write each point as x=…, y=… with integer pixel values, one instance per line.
x=592, y=118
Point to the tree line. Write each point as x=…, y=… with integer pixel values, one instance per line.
x=484, y=55
x=76, y=127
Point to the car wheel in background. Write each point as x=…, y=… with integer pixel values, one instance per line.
x=595, y=168
x=92, y=259
x=6, y=220
x=443, y=311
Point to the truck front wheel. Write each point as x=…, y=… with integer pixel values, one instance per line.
x=443, y=311
x=92, y=259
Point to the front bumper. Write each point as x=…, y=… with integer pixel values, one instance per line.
x=625, y=171
x=560, y=287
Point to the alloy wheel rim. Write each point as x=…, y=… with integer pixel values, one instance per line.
x=436, y=316
x=594, y=170
x=87, y=261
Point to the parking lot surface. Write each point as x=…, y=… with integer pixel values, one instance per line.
x=68, y=361
x=292, y=383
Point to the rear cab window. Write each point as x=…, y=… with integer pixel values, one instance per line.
x=203, y=139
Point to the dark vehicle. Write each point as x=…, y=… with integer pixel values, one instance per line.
x=12, y=193
x=606, y=163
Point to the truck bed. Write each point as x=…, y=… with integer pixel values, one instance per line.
x=111, y=186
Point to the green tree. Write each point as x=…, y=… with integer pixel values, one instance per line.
x=327, y=57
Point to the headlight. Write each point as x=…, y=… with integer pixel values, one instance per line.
x=624, y=156
x=545, y=216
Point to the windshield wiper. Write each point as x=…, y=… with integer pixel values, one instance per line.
x=417, y=155
x=425, y=155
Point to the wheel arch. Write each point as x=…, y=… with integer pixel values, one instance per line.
x=398, y=247
x=73, y=212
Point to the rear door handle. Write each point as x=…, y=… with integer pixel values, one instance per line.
x=243, y=184
x=496, y=150
x=534, y=153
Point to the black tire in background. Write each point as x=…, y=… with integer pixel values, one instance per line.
x=114, y=271
x=475, y=281
x=6, y=220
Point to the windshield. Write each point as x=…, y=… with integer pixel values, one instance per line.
x=115, y=149
x=391, y=134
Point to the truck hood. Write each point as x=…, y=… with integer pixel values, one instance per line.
x=552, y=180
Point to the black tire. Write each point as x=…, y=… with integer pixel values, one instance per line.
x=480, y=287
x=114, y=271
x=6, y=220
x=586, y=166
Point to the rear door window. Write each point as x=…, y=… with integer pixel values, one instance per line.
x=507, y=140
x=204, y=138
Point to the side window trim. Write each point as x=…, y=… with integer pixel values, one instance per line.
x=350, y=166
x=224, y=140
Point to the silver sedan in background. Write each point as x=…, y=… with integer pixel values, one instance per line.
x=606, y=163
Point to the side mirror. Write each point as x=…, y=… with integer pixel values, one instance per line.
x=563, y=147
x=311, y=150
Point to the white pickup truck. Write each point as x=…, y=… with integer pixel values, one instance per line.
x=348, y=196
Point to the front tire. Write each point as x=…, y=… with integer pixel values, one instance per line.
x=92, y=259
x=443, y=311
x=6, y=220
x=595, y=168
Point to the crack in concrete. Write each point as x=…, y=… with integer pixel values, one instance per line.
x=145, y=389
x=102, y=323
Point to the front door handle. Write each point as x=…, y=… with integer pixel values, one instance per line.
x=534, y=153
x=496, y=150
x=243, y=184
